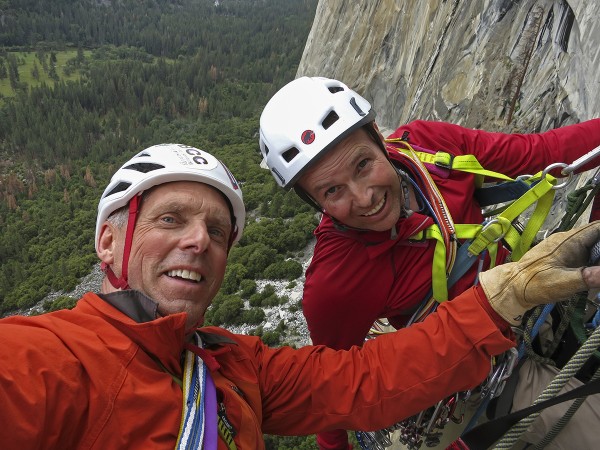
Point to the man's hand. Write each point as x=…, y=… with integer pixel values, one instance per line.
x=551, y=271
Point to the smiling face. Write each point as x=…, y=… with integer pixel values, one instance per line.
x=179, y=248
x=356, y=184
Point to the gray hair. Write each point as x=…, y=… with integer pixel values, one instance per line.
x=119, y=217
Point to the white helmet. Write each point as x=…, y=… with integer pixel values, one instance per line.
x=165, y=163
x=303, y=120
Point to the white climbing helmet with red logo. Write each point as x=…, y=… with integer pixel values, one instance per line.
x=161, y=164
x=303, y=120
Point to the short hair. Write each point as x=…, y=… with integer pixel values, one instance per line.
x=119, y=217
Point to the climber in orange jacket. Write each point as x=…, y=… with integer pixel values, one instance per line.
x=132, y=367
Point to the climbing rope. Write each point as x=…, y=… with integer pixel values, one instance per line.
x=562, y=422
x=578, y=201
x=534, y=322
x=568, y=372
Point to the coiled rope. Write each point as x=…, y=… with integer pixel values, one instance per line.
x=570, y=369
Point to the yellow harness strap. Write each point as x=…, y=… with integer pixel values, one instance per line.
x=464, y=163
x=488, y=235
x=501, y=227
x=439, y=274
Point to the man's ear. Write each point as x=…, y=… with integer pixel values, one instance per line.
x=107, y=243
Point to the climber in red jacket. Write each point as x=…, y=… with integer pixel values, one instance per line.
x=377, y=202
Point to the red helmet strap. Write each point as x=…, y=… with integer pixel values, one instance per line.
x=122, y=283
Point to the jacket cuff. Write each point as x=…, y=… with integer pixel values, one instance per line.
x=502, y=324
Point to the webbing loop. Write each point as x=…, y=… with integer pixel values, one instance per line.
x=491, y=232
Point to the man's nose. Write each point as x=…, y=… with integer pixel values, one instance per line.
x=196, y=237
x=362, y=195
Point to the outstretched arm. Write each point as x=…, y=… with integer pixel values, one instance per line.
x=399, y=374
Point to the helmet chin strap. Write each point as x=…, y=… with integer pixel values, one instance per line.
x=121, y=282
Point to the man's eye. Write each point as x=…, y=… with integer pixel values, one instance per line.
x=363, y=163
x=168, y=219
x=216, y=232
x=332, y=190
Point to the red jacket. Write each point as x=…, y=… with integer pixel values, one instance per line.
x=91, y=377
x=357, y=277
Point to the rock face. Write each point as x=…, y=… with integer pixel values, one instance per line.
x=500, y=65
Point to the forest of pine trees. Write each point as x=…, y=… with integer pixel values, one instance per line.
x=109, y=78
x=84, y=84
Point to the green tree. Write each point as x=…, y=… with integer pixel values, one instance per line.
x=35, y=71
x=234, y=275
x=224, y=310
x=284, y=270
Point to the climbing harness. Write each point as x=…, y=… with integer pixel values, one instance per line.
x=500, y=226
x=459, y=246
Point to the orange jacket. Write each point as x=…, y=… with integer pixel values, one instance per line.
x=95, y=378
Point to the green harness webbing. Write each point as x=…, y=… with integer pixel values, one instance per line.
x=489, y=234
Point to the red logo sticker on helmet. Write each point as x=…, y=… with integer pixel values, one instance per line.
x=308, y=137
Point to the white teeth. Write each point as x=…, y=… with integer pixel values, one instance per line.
x=376, y=209
x=185, y=274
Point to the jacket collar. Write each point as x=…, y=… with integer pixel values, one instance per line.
x=133, y=304
x=136, y=315
x=142, y=308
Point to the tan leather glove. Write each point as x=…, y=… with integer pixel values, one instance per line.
x=549, y=272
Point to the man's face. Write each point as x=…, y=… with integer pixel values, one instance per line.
x=356, y=184
x=179, y=249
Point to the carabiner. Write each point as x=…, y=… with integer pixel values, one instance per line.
x=569, y=169
x=554, y=166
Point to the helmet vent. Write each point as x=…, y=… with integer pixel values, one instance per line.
x=334, y=89
x=266, y=150
x=144, y=167
x=122, y=186
x=290, y=154
x=331, y=118
x=356, y=107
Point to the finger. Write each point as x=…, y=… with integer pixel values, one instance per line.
x=591, y=277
